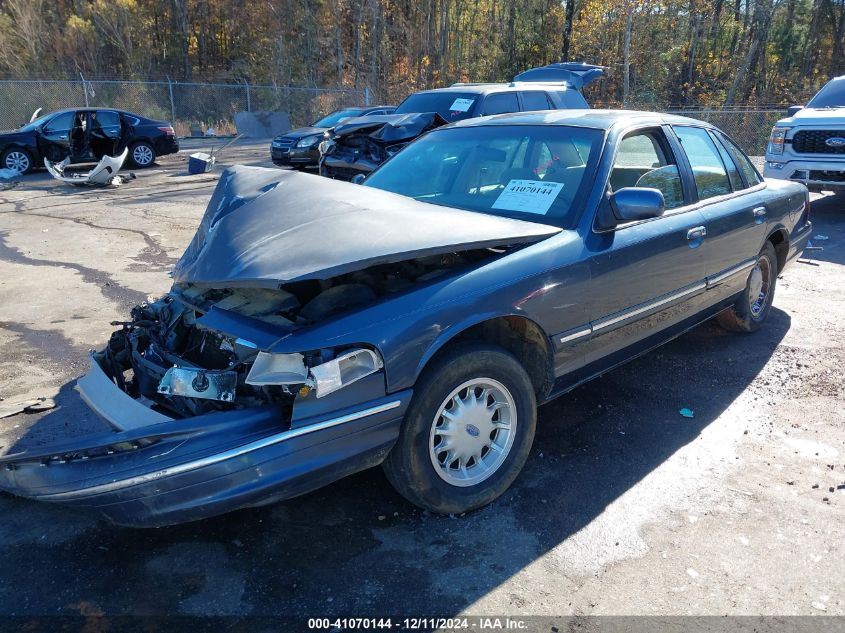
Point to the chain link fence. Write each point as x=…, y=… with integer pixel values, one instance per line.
x=193, y=108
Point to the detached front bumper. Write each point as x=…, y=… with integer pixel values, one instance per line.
x=156, y=471
x=822, y=174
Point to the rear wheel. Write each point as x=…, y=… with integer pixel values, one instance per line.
x=754, y=304
x=467, y=432
x=142, y=154
x=17, y=159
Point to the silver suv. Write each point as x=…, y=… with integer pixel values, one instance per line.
x=809, y=145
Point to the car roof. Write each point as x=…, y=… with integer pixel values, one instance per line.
x=484, y=88
x=599, y=119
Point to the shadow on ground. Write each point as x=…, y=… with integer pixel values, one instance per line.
x=356, y=546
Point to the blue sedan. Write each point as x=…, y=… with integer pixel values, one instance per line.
x=316, y=328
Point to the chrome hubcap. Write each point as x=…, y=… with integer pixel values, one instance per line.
x=759, y=283
x=17, y=161
x=473, y=432
x=142, y=155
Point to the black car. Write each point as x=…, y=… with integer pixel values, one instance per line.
x=299, y=147
x=86, y=135
x=357, y=147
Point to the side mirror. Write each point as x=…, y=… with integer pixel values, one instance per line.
x=630, y=204
x=793, y=110
x=357, y=179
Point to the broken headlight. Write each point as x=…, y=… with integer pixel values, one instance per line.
x=324, y=378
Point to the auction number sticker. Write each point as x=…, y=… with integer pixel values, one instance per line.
x=461, y=105
x=528, y=196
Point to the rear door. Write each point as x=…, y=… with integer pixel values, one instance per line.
x=105, y=133
x=650, y=275
x=54, y=137
x=734, y=210
x=500, y=103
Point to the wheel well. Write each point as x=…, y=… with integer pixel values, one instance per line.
x=780, y=240
x=521, y=337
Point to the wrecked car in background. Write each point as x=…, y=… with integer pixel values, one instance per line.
x=316, y=328
x=357, y=146
x=300, y=147
x=86, y=135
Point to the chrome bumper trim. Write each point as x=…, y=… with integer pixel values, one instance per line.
x=219, y=457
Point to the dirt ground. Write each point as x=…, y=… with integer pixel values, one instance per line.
x=625, y=506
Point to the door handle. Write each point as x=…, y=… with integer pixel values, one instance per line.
x=62, y=137
x=696, y=233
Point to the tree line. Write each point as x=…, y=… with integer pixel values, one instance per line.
x=658, y=52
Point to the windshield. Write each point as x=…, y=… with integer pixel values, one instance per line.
x=452, y=106
x=525, y=172
x=336, y=117
x=831, y=96
x=39, y=121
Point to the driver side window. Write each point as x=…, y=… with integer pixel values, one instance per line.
x=645, y=160
x=60, y=123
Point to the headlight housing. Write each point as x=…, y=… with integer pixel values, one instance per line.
x=308, y=141
x=777, y=140
x=290, y=370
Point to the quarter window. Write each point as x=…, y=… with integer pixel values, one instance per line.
x=500, y=103
x=711, y=179
x=643, y=160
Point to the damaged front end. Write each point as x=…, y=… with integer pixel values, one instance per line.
x=358, y=146
x=208, y=408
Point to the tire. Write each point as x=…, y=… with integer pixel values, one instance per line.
x=749, y=313
x=142, y=154
x=18, y=159
x=457, y=379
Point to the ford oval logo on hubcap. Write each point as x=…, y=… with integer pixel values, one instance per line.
x=835, y=141
x=472, y=430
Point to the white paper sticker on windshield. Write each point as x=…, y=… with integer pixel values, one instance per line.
x=528, y=196
x=461, y=105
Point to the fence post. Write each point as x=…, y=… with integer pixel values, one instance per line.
x=84, y=89
x=248, y=99
x=366, y=95
x=172, y=102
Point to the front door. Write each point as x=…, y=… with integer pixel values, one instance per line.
x=54, y=137
x=650, y=275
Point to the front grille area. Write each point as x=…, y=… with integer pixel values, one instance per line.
x=814, y=142
x=828, y=176
x=285, y=141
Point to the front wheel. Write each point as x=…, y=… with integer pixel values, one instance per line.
x=142, y=154
x=17, y=159
x=754, y=304
x=467, y=432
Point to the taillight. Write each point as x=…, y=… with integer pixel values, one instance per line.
x=168, y=129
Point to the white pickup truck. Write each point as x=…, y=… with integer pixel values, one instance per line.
x=809, y=145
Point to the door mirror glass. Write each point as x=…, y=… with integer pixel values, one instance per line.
x=793, y=110
x=631, y=204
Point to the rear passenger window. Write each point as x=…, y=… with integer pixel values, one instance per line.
x=751, y=175
x=644, y=160
x=711, y=179
x=535, y=100
x=500, y=103
x=733, y=172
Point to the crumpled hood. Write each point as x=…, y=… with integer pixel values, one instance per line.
x=265, y=227
x=390, y=128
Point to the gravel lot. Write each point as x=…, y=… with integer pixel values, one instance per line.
x=625, y=507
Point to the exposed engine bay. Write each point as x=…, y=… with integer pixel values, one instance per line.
x=167, y=360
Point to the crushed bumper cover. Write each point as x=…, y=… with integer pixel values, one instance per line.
x=153, y=471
